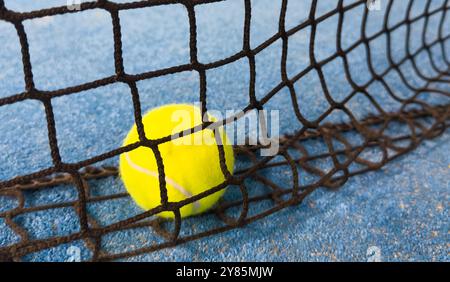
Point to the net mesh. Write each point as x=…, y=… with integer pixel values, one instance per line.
x=389, y=134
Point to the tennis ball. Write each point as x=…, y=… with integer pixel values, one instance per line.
x=191, y=163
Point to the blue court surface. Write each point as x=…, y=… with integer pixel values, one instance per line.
x=398, y=213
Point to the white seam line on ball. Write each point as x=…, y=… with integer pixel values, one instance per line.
x=170, y=181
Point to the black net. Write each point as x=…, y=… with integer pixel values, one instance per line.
x=386, y=133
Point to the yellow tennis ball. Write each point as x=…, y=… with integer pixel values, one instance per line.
x=191, y=163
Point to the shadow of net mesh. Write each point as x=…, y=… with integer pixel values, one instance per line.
x=357, y=145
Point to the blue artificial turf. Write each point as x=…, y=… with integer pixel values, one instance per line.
x=400, y=210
